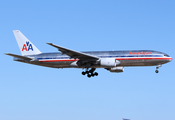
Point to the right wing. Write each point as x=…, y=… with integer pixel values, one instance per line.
x=74, y=54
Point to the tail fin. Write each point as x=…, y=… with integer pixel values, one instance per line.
x=26, y=47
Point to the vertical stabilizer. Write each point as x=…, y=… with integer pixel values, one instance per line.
x=26, y=47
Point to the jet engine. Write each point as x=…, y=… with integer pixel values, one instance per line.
x=109, y=62
x=116, y=69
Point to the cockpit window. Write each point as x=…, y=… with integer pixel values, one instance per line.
x=166, y=55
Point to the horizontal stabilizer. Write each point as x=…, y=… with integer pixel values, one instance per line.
x=18, y=56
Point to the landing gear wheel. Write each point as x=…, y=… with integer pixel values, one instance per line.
x=157, y=71
x=87, y=72
x=96, y=73
x=157, y=67
x=89, y=75
x=83, y=73
x=92, y=75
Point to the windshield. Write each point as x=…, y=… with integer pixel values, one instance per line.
x=166, y=55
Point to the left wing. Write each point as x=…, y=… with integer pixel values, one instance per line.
x=74, y=54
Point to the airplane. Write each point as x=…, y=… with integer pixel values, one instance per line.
x=113, y=61
x=125, y=119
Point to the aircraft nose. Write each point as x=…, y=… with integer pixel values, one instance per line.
x=170, y=59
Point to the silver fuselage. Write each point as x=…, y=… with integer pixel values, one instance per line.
x=126, y=58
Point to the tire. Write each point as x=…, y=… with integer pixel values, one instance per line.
x=88, y=76
x=96, y=73
x=92, y=75
x=83, y=73
x=157, y=71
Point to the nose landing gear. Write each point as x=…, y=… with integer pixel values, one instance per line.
x=157, y=71
x=90, y=73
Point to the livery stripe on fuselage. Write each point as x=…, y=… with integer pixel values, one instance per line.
x=145, y=58
x=126, y=58
x=59, y=60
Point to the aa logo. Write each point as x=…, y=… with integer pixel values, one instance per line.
x=27, y=47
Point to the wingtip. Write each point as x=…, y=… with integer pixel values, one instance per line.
x=15, y=30
x=6, y=53
x=49, y=43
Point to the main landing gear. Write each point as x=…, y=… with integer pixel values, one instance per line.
x=157, y=71
x=90, y=73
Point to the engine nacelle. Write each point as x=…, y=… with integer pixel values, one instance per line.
x=109, y=62
x=116, y=69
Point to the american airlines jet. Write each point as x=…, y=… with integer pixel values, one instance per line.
x=125, y=119
x=113, y=61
